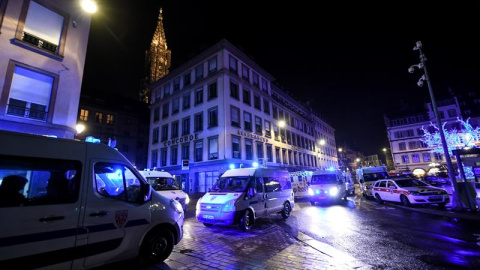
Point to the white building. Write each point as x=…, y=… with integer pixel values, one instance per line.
x=43, y=45
x=221, y=109
x=405, y=133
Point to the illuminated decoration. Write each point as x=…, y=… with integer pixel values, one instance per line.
x=468, y=172
x=467, y=137
x=159, y=57
x=418, y=172
x=92, y=139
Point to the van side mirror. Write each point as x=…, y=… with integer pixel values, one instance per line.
x=251, y=192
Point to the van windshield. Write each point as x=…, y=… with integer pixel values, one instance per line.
x=163, y=183
x=324, y=179
x=231, y=184
x=367, y=177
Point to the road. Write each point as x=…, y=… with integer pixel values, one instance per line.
x=354, y=234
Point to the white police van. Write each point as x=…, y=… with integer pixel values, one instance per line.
x=67, y=204
x=327, y=185
x=243, y=195
x=166, y=185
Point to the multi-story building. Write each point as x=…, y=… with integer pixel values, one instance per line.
x=220, y=110
x=405, y=134
x=43, y=45
x=120, y=120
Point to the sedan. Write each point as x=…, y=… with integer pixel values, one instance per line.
x=409, y=192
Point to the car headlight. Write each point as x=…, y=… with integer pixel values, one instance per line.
x=310, y=191
x=333, y=191
x=177, y=206
x=229, y=206
x=187, y=199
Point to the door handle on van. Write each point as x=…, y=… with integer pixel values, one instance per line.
x=99, y=214
x=47, y=219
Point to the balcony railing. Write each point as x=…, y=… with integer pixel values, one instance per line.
x=34, y=40
x=27, y=112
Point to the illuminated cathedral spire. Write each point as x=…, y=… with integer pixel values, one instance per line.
x=158, y=57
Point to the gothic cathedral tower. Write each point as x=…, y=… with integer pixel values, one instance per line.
x=158, y=57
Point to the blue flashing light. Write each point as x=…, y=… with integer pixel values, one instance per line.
x=317, y=191
x=325, y=191
x=232, y=166
x=331, y=169
x=255, y=164
x=92, y=139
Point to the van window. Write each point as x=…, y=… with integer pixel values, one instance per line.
x=163, y=183
x=324, y=179
x=231, y=184
x=259, y=184
x=272, y=185
x=28, y=181
x=117, y=181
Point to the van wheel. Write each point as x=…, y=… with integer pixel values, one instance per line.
x=378, y=198
x=405, y=201
x=157, y=246
x=246, y=221
x=286, y=210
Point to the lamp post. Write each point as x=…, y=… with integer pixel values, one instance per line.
x=418, y=47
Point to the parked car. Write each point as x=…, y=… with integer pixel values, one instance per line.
x=409, y=192
x=438, y=180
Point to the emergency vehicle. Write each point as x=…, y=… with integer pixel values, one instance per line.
x=67, y=204
x=243, y=195
x=327, y=185
x=300, y=181
x=165, y=184
x=368, y=175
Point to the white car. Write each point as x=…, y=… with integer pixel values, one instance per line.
x=409, y=192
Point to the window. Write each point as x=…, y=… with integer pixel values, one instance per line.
x=164, y=132
x=199, y=72
x=233, y=64
x=246, y=96
x=402, y=146
x=438, y=157
x=258, y=125
x=198, y=122
x=110, y=119
x=174, y=129
x=186, y=101
x=234, y=90
x=212, y=90
x=156, y=114
x=39, y=181
x=154, y=161
x=266, y=106
x=165, y=110
x=212, y=65
x=44, y=27
x=174, y=155
x=175, y=106
x=187, y=79
x=213, y=117
x=275, y=133
x=98, y=117
x=255, y=79
x=3, y=5
x=284, y=155
x=405, y=159
x=256, y=102
x=415, y=158
x=245, y=72
x=83, y=115
x=186, y=151
x=264, y=85
x=272, y=185
x=213, y=148
x=277, y=155
x=236, y=147
x=28, y=92
x=163, y=153
x=186, y=126
x=452, y=113
x=268, y=131
x=426, y=157
x=198, y=150
x=118, y=182
x=247, y=121
x=269, y=153
x=289, y=138
x=198, y=96
x=235, y=116
x=176, y=84
x=275, y=112
x=259, y=150
x=248, y=149
x=412, y=145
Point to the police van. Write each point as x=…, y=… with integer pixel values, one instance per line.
x=327, y=185
x=166, y=185
x=67, y=204
x=243, y=195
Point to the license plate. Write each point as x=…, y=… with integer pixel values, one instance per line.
x=436, y=197
x=208, y=217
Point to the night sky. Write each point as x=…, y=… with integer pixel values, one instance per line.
x=348, y=58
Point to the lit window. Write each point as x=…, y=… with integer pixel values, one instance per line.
x=84, y=115
x=110, y=119
x=43, y=27
x=98, y=117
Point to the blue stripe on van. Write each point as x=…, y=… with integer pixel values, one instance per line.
x=36, y=237
x=101, y=227
x=136, y=222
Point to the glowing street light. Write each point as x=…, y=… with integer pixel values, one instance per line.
x=358, y=160
x=80, y=128
x=90, y=6
x=281, y=123
x=322, y=142
x=340, y=149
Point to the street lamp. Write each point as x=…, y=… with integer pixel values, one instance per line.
x=322, y=142
x=80, y=128
x=89, y=6
x=418, y=47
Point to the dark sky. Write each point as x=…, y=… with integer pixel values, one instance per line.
x=348, y=58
